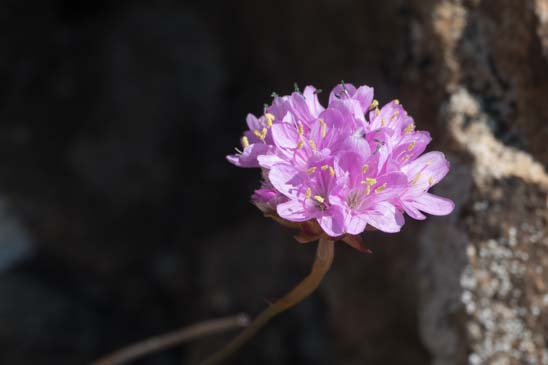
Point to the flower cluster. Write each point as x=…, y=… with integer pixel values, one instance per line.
x=350, y=165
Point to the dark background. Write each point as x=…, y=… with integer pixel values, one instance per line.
x=120, y=217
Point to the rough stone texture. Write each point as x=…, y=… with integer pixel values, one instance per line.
x=482, y=275
x=120, y=219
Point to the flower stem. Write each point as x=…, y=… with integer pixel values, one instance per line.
x=322, y=263
x=174, y=338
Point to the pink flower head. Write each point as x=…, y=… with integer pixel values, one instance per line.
x=340, y=169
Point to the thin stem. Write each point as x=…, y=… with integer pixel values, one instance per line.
x=174, y=338
x=322, y=263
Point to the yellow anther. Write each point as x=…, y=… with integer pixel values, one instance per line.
x=368, y=190
x=365, y=168
x=311, y=170
x=405, y=158
x=313, y=145
x=300, y=145
x=411, y=146
x=394, y=116
x=430, y=181
x=261, y=134
x=324, y=128
x=370, y=181
x=325, y=167
x=374, y=104
x=269, y=119
x=245, y=142
x=396, y=101
x=409, y=128
x=377, y=112
x=308, y=193
x=380, y=188
x=300, y=128
x=319, y=199
x=331, y=171
x=417, y=177
x=383, y=122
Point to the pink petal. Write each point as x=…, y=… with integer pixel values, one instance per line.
x=432, y=167
x=356, y=143
x=364, y=95
x=280, y=107
x=311, y=98
x=286, y=179
x=395, y=182
x=300, y=108
x=268, y=161
x=292, y=210
x=248, y=158
x=355, y=224
x=412, y=211
x=339, y=93
x=433, y=204
x=253, y=123
x=285, y=135
x=332, y=222
x=333, y=118
x=385, y=218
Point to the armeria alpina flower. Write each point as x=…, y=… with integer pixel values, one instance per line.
x=339, y=169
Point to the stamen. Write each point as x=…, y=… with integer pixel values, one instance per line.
x=374, y=104
x=368, y=190
x=411, y=146
x=417, y=177
x=313, y=145
x=369, y=181
x=405, y=158
x=394, y=116
x=324, y=128
x=331, y=171
x=365, y=168
x=261, y=134
x=383, y=122
x=380, y=188
x=308, y=193
x=300, y=128
x=325, y=167
x=245, y=142
x=428, y=163
x=409, y=128
x=430, y=181
x=300, y=145
x=319, y=199
x=269, y=119
x=377, y=112
x=311, y=170
x=396, y=101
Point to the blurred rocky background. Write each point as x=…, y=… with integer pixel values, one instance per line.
x=120, y=218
